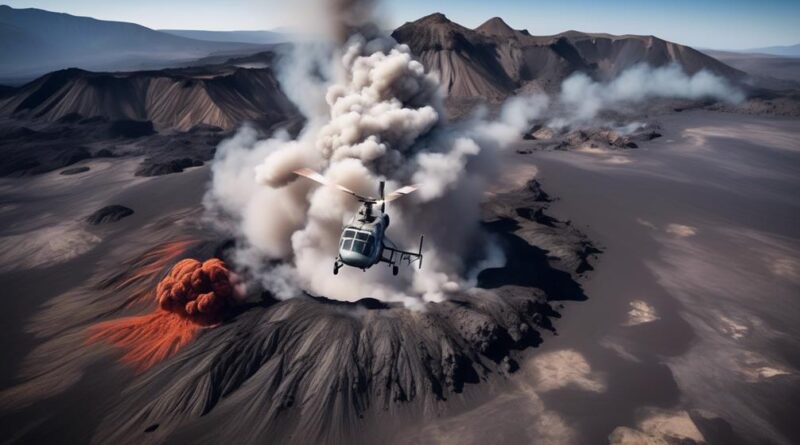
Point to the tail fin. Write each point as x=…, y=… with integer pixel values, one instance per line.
x=421, y=237
x=383, y=202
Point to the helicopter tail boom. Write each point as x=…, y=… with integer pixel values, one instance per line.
x=397, y=255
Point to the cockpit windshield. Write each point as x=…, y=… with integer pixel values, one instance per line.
x=358, y=241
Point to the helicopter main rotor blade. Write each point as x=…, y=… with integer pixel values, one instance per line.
x=315, y=176
x=402, y=191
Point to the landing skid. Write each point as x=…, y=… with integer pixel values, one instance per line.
x=336, y=266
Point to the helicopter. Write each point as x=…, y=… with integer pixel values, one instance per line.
x=363, y=242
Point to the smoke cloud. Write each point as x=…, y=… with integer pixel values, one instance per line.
x=374, y=113
x=582, y=98
x=383, y=121
x=201, y=292
x=191, y=296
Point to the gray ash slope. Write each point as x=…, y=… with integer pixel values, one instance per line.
x=309, y=369
x=109, y=214
x=34, y=148
x=493, y=60
x=180, y=99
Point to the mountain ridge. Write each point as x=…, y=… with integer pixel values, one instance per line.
x=494, y=60
x=257, y=37
x=37, y=41
x=490, y=62
x=780, y=50
x=178, y=99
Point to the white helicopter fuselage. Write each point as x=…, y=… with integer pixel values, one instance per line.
x=361, y=244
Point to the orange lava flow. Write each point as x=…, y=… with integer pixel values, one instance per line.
x=146, y=339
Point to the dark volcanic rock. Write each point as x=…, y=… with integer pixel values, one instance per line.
x=547, y=244
x=617, y=137
x=220, y=96
x=539, y=195
x=24, y=151
x=47, y=157
x=71, y=118
x=329, y=365
x=130, y=129
x=104, y=153
x=75, y=171
x=199, y=128
x=155, y=168
x=109, y=214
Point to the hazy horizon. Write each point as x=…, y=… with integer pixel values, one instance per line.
x=713, y=24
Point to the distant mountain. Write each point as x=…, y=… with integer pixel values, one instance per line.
x=179, y=99
x=495, y=60
x=778, y=72
x=256, y=37
x=786, y=51
x=33, y=41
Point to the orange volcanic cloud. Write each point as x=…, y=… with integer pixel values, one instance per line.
x=191, y=296
x=199, y=291
x=146, y=267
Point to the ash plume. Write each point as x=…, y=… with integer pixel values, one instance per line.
x=383, y=121
x=199, y=291
x=382, y=118
x=581, y=98
x=349, y=17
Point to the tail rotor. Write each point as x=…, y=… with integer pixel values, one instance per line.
x=383, y=201
x=419, y=252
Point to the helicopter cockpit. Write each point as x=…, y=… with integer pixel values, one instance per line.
x=357, y=247
x=355, y=240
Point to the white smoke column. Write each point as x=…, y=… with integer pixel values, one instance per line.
x=384, y=122
x=582, y=98
x=381, y=119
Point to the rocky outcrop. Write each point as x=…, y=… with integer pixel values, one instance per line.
x=144, y=101
x=109, y=214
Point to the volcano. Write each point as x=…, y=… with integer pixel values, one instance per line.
x=180, y=99
x=494, y=60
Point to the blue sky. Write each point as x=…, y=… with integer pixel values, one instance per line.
x=721, y=24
